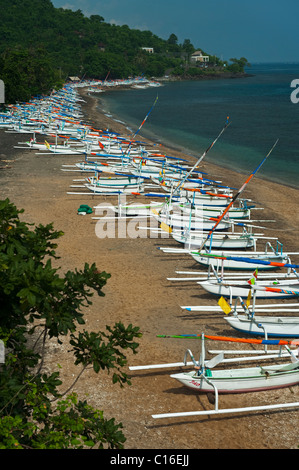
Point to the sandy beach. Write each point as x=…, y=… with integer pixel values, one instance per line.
x=138, y=292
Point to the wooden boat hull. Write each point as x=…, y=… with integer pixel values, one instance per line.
x=250, y=379
x=282, y=327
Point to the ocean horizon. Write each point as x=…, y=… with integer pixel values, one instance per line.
x=189, y=115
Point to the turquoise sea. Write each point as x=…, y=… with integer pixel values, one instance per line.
x=190, y=115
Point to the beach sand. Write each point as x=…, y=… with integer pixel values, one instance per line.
x=138, y=292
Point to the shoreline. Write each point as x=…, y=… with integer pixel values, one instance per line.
x=138, y=292
x=234, y=178
x=208, y=76
x=223, y=162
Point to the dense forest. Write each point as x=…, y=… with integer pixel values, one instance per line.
x=41, y=46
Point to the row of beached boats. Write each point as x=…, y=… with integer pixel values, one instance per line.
x=208, y=220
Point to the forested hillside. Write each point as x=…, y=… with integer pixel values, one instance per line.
x=40, y=46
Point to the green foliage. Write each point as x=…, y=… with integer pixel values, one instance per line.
x=72, y=425
x=194, y=71
x=238, y=65
x=90, y=349
x=27, y=73
x=43, y=45
x=172, y=39
x=38, y=304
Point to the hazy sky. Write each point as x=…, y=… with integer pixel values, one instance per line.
x=260, y=30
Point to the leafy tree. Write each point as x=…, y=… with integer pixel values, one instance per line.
x=238, y=65
x=27, y=72
x=37, y=304
x=172, y=39
x=95, y=19
x=66, y=43
x=188, y=47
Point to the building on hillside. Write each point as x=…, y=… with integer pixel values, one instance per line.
x=74, y=79
x=197, y=56
x=150, y=50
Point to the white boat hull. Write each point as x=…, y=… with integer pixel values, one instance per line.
x=205, y=201
x=251, y=379
x=238, y=265
x=241, y=289
x=184, y=222
x=114, y=188
x=102, y=167
x=282, y=327
x=234, y=213
x=224, y=242
x=136, y=209
x=114, y=181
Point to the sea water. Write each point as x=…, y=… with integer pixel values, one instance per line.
x=190, y=114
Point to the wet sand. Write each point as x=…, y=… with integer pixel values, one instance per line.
x=138, y=292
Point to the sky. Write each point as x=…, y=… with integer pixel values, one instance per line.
x=260, y=30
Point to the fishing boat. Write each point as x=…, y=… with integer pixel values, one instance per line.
x=114, y=185
x=203, y=198
x=267, y=325
x=180, y=222
x=246, y=316
x=206, y=378
x=133, y=209
x=114, y=151
x=183, y=178
x=237, y=261
x=198, y=256
x=249, y=379
x=64, y=148
x=225, y=241
x=179, y=178
x=241, y=288
x=198, y=210
x=154, y=169
x=246, y=240
x=115, y=180
x=105, y=166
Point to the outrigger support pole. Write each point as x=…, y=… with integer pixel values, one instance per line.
x=216, y=411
